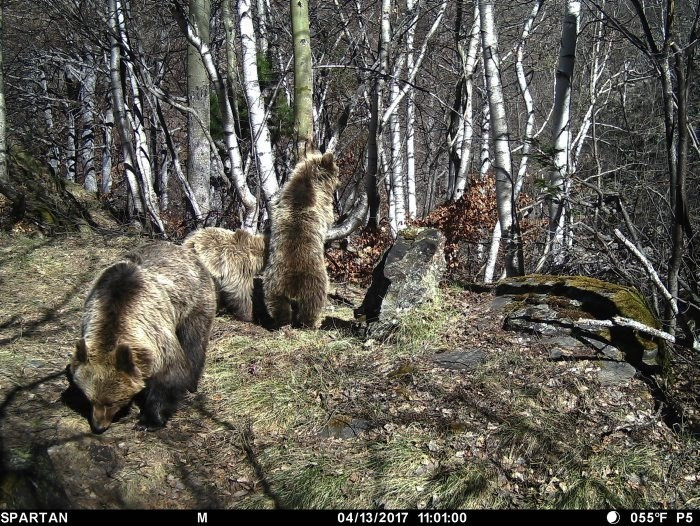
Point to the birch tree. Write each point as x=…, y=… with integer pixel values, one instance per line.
x=230, y=139
x=501, y=143
x=256, y=104
x=140, y=185
x=88, y=83
x=198, y=122
x=462, y=122
x=561, y=130
x=303, y=77
x=53, y=153
x=107, y=128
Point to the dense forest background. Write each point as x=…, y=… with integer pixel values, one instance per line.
x=557, y=136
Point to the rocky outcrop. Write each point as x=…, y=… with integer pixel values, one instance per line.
x=406, y=276
x=550, y=307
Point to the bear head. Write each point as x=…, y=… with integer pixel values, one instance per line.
x=109, y=380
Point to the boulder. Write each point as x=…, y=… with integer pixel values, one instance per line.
x=406, y=276
x=551, y=305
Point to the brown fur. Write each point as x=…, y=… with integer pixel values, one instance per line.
x=233, y=259
x=296, y=270
x=145, y=326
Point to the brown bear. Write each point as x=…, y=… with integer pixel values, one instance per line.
x=233, y=258
x=145, y=327
x=296, y=268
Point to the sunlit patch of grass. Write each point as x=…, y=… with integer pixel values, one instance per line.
x=471, y=486
x=612, y=478
x=423, y=328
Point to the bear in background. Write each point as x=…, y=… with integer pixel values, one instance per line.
x=145, y=327
x=233, y=258
x=295, y=274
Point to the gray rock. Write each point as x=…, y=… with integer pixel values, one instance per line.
x=537, y=319
x=555, y=353
x=616, y=373
x=407, y=276
x=340, y=428
x=551, y=305
x=460, y=360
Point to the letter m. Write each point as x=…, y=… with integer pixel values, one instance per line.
x=201, y=517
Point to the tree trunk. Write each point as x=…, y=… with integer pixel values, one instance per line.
x=485, y=156
x=236, y=166
x=199, y=153
x=263, y=45
x=256, y=104
x=467, y=117
x=53, y=154
x=107, y=127
x=561, y=130
x=138, y=184
x=88, y=82
x=410, y=122
x=501, y=142
x=527, y=97
x=303, y=78
x=397, y=212
x=70, y=148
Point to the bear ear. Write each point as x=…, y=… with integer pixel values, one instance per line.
x=327, y=161
x=81, y=351
x=125, y=359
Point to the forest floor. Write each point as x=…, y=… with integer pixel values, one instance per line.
x=324, y=419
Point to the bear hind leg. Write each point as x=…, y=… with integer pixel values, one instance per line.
x=193, y=336
x=280, y=310
x=310, y=309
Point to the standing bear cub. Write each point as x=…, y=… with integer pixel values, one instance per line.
x=145, y=327
x=233, y=258
x=296, y=268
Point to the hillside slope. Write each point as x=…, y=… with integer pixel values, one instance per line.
x=453, y=412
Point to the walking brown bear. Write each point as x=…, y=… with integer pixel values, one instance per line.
x=233, y=258
x=145, y=327
x=296, y=270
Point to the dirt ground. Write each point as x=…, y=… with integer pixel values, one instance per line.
x=324, y=419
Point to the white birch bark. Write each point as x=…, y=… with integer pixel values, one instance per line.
x=107, y=127
x=485, y=155
x=501, y=143
x=54, y=153
x=256, y=104
x=70, y=144
x=88, y=82
x=121, y=120
x=561, y=129
x=135, y=113
x=411, y=77
x=397, y=166
x=262, y=27
x=410, y=122
x=467, y=117
x=139, y=184
x=527, y=96
x=390, y=114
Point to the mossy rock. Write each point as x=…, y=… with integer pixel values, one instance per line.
x=551, y=303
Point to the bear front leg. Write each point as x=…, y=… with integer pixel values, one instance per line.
x=159, y=406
